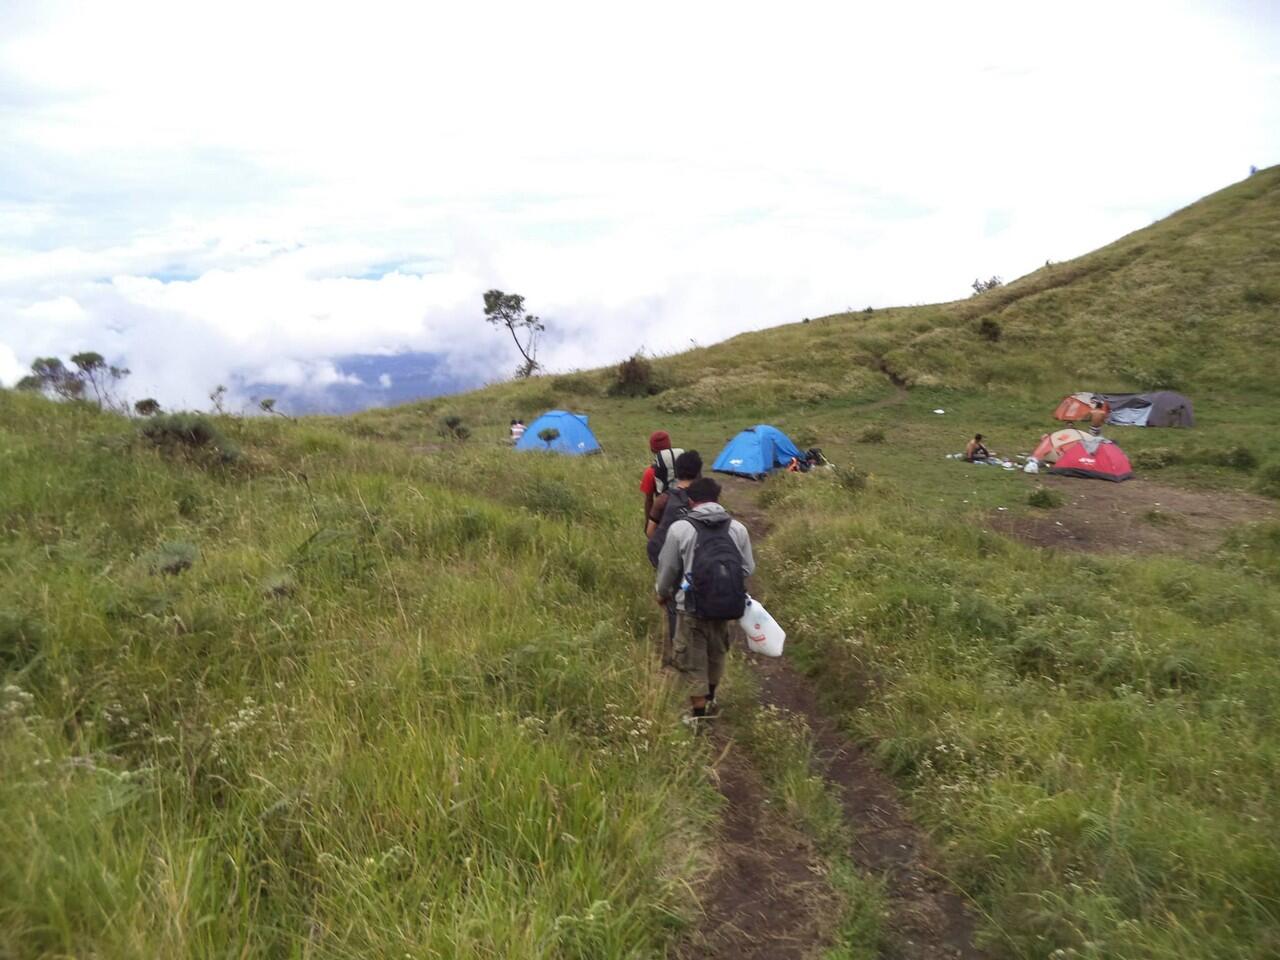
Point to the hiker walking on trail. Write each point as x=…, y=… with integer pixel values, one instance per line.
x=667, y=509
x=661, y=473
x=703, y=567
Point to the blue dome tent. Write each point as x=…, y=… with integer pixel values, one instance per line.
x=575, y=437
x=756, y=451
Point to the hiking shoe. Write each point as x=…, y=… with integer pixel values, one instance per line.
x=713, y=710
x=696, y=724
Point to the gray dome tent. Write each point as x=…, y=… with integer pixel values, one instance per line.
x=1163, y=408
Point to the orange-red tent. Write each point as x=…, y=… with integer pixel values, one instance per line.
x=1078, y=406
x=1101, y=460
x=1052, y=444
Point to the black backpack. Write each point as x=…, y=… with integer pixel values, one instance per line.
x=677, y=506
x=719, y=585
x=664, y=469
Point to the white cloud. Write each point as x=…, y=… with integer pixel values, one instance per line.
x=201, y=191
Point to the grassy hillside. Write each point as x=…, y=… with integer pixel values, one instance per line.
x=361, y=691
x=331, y=700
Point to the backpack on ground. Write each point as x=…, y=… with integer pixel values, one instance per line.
x=676, y=508
x=664, y=469
x=718, y=582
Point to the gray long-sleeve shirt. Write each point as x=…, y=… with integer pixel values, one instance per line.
x=677, y=552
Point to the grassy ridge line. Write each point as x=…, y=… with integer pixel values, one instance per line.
x=396, y=706
x=1189, y=302
x=1092, y=739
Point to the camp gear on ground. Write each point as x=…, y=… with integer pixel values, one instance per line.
x=1033, y=466
x=1162, y=408
x=1095, y=458
x=677, y=553
x=1051, y=445
x=718, y=584
x=676, y=507
x=764, y=635
x=664, y=468
x=573, y=436
x=756, y=451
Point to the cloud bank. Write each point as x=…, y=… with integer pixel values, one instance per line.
x=243, y=193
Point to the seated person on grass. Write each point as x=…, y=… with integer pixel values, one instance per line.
x=976, y=451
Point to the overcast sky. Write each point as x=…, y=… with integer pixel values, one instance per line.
x=199, y=190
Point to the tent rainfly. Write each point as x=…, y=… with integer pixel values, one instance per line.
x=756, y=451
x=1163, y=408
x=573, y=437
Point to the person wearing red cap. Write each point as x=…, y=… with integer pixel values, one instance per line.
x=659, y=474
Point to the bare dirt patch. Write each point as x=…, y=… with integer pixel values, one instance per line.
x=1136, y=516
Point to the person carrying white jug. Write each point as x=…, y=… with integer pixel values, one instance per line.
x=703, y=567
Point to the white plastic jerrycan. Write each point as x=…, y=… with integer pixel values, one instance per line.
x=763, y=633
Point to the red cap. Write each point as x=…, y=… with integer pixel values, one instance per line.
x=659, y=440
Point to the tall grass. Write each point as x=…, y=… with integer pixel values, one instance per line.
x=1094, y=740
x=391, y=706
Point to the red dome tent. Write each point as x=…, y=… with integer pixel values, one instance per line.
x=1093, y=457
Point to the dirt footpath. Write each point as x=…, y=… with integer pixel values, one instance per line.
x=767, y=897
x=1136, y=516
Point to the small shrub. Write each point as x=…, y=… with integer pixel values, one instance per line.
x=1155, y=458
x=1267, y=481
x=452, y=428
x=548, y=435
x=982, y=286
x=1044, y=498
x=147, y=408
x=989, y=329
x=1261, y=295
x=634, y=378
x=872, y=434
x=189, y=432
x=1240, y=458
x=850, y=478
x=172, y=558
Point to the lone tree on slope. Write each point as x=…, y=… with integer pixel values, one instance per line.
x=507, y=310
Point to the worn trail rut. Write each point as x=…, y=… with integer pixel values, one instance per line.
x=767, y=897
